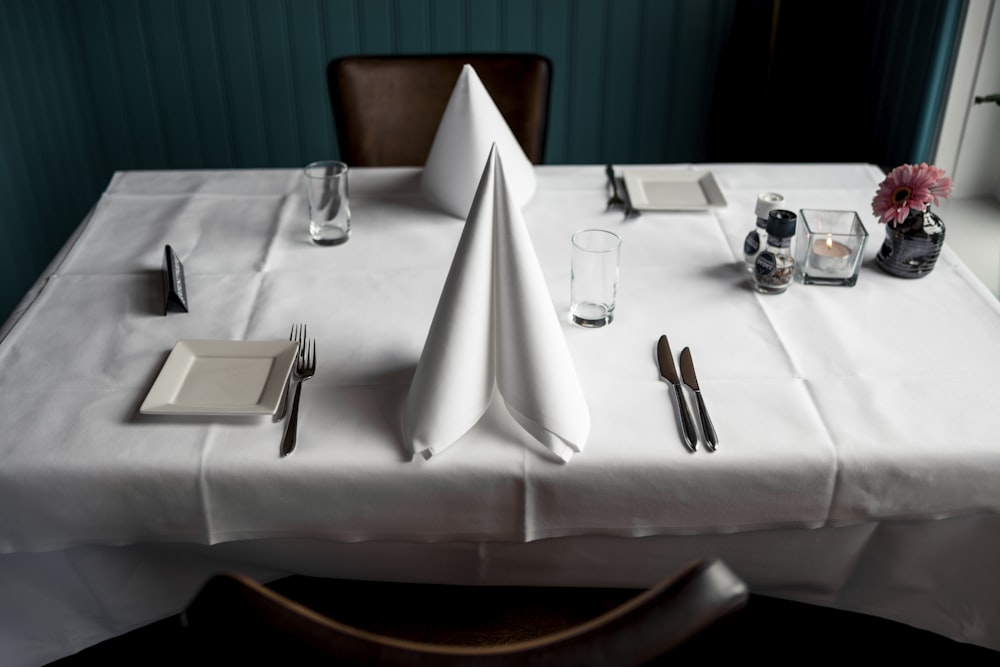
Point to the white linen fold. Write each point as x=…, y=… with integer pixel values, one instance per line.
x=495, y=334
x=470, y=126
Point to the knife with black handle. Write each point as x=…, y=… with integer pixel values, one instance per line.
x=691, y=380
x=669, y=373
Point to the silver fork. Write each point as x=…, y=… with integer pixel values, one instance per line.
x=630, y=212
x=297, y=335
x=615, y=202
x=305, y=368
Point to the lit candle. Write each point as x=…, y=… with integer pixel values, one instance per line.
x=830, y=255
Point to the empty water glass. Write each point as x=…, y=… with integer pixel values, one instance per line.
x=329, y=207
x=594, y=277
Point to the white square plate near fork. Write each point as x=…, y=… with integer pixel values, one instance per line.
x=654, y=189
x=222, y=377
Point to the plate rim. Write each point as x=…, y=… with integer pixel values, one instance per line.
x=283, y=352
x=713, y=193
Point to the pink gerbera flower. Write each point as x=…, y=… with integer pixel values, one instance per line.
x=909, y=188
x=942, y=184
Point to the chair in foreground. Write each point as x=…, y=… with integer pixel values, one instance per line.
x=232, y=616
x=387, y=108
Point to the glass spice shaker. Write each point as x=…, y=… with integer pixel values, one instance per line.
x=756, y=240
x=775, y=266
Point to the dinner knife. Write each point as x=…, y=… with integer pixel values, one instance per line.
x=669, y=373
x=691, y=380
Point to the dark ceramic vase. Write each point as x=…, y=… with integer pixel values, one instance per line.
x=911, y=250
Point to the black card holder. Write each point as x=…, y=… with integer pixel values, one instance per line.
x=175, y=295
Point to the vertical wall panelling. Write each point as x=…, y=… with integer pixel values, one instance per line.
x=588, y=76
x=447, y=29
x=33, y=144
x=414, y=21
x=199, y=40
x=622, y=62
x=519, y=26
x=18, y=161
x=128, y=43
x=172, y=76
x=46, y=112
x=21, y=205
x=114, y=125
x=36, y=107
x=378, y=26
x=554, y=42
x=343, y=24
x=51, y=158
x=483, y=26
x=278, y=91
x=314, y=125
x=684, y=91
x=79, y=147
x=241, y=66
x=656, y=80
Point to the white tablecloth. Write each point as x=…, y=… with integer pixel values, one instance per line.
x=859, y=449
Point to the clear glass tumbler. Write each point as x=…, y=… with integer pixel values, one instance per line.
x=594, y=277
x=329, y=206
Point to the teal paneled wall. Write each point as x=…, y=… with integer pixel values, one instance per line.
x=191, y=83
x=50, y=162
x=88, y=87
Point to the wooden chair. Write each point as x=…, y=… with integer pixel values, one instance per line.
x=233, y=617
x=387, y=108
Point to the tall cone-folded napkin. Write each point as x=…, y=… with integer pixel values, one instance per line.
x=470, y=126
x=495, y=336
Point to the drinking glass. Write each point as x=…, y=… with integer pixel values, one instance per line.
x=329, y=206
x=594, y=277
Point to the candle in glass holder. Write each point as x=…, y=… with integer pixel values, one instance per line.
x=830, y=255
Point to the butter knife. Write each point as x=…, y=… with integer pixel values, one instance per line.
x=691, y=380
x=669, y=373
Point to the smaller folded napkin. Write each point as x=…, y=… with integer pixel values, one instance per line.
x=495, y=336
x=470, y=126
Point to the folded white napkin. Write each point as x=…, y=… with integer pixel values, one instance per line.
x=495, y=336
x=471, y=124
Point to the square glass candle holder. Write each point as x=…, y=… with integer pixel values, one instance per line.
x=829, y=246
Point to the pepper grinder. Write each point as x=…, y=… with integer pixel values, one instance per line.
x=775, y=266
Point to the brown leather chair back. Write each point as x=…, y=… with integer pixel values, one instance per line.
x=234, y=618
x=387, y=108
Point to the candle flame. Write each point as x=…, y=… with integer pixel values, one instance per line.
x=829, y=241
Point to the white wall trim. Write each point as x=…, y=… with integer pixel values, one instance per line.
x=973, y=67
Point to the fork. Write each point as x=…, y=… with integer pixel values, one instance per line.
x=298, y=335
x=630, y=212
x=305, y=368
x=615, y=202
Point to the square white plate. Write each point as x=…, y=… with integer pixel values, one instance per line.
x=221, y=377
x=673, y=189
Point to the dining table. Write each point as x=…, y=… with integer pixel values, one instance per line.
x=858, y=458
